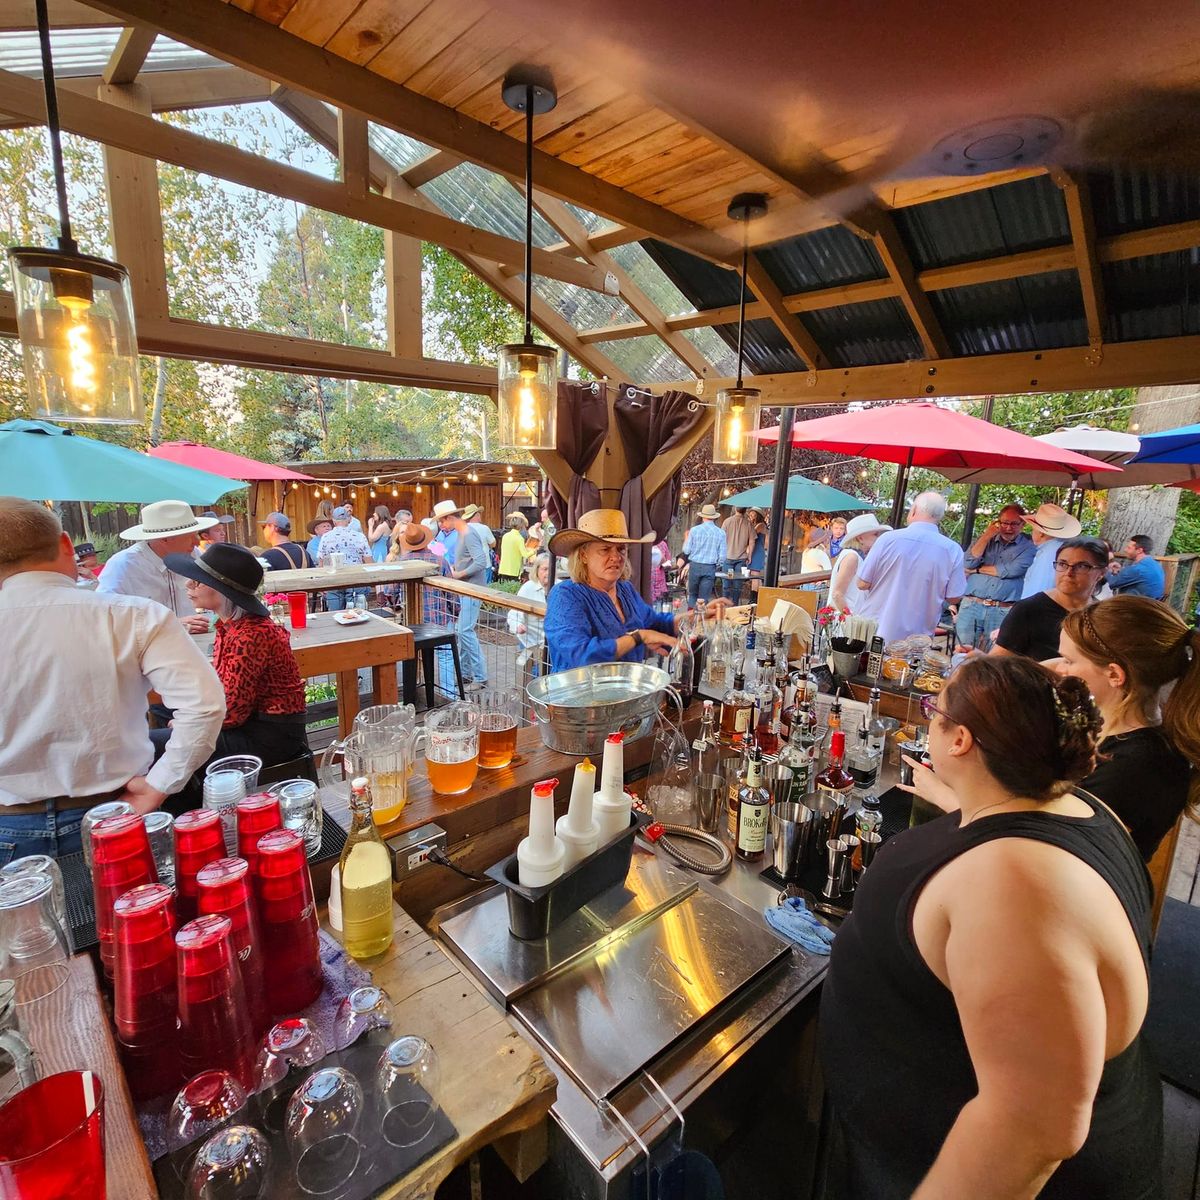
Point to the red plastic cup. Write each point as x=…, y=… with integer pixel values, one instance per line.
x=298, y=609
x=288, y=917
x=144, y=1001
x=256, y=815
x=121, y=860
x=199, y=840
x=151, y=1065
x=52, y=1139
x=214, y=1021
x=225, y=892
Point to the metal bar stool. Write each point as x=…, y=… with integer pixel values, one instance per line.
x=426, y=641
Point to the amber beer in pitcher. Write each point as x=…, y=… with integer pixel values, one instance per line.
x=498, y=713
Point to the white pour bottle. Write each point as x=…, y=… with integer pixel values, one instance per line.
x=578, y=829
x=540, y=856
x=613, y=803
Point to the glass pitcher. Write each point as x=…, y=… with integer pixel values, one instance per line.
x=377, y=726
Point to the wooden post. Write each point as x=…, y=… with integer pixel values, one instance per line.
x=402, y=275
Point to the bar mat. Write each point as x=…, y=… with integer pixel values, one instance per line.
x=81, y=905
x=378, y=1162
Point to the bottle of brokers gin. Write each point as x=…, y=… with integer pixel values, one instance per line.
x=737, y=711
x=753, y=809
x=366, y=880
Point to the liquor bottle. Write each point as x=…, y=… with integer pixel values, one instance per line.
x=832, y=726
x=681, y=665
x=720, y=652
x=366, y=880
x=706, y=754
x=801, y=689
x=749, y=662
x=876, y=729
x=737, y=707
x=735, y=780
x=786, y=684
x=869, y=818
x=800, y=753
x=835, y=780
x=767, y=703
x=863, y=761
x=753, y=808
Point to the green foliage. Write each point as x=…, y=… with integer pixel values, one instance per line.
x=1186, y=537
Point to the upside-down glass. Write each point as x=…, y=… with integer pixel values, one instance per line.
x=289, y=1050
x=110, y=808
x=232, y=1165
x=300, y=810
x=365, y=1012
x=52, y=1139
x=322, y=1129
x=160, y=829
x=499, y=714
x=121, y=860
x=407, y=1079
x=43, y=864
x=204, y=1104
x=33, y=945
x=452, y=748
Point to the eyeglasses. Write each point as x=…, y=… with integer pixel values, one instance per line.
x=929, y=707
x=1011, y=524
x=1079, y=568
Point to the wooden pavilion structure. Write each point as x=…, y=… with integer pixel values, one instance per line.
x=955, y=208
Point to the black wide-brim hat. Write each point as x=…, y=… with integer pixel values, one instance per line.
x=231, y=570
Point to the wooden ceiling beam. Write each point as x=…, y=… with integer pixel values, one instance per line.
x=430, y=168
x=225, y=31
x=18, y=15
x=1124, y=364
x=1078, y=199
x=792, y=328
x=353, y=152
x=129, y=54
x=167, y=143
x=891, y=249
x=609, y=239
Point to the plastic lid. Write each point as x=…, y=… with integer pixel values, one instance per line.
x=615, y=739
x=545, y=787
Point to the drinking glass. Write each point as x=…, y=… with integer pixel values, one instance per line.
x=199, y=840
x=499, y=714
x=452, y=748
x=160, y=829
x=298, y=609
x=386, y=766
x=52, y=1139
x=290, y=1048
x=322, y=1129
x=247, y=765
x=368, y=1012
x=121, y=860
x=111, y=808
x=33, y=946
x=256, y=815
x=300, y=809
x=407, y=1078
x=43, y=864
x=231, y=1165
x=204, y=1104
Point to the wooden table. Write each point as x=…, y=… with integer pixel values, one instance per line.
x=363, y=575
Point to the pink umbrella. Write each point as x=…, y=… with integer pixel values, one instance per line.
x=222, y=462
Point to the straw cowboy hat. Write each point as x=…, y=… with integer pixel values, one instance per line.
x=1055, y=522
x=863, y=523
x=709, y=513
x=231, y=570
x=470, y=511
x=599, y=525
x=166, y=518
x=412, y=537
x=446, y=508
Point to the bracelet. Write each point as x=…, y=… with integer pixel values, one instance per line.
x=637, y=637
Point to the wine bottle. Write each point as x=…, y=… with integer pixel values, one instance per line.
x=366, y=880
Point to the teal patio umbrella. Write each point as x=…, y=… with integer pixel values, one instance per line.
x=802, y=493
x=40, y=461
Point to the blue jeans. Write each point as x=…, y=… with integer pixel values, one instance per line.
x=53, y=833
x=338, y=599
x=735, y=587
x=977, y=621
x=474, y=668
x=701, y=577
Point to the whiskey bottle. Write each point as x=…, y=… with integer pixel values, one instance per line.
x=753, y=809
x=835, y=780
x=737, y=710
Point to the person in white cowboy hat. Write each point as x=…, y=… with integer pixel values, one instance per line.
x=861, y=533
x=471, y=562
x=706, y=550
x=166, y=527
x=1049, y=527
x=598, y=615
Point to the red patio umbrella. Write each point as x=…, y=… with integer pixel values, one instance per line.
x=941, y=439
x=222, y=462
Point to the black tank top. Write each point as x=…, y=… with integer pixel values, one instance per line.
x=895, y=1060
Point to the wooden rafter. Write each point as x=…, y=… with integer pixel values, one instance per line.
x=167, y=143
x=237, y=37
x=768, y=293
x=561, y=218
x=1078, y=200
x=129, y=54
x=429, y=168
x=17, y=15
x=898, y=264
x=352, y=152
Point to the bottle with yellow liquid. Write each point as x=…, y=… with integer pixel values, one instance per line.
x=366, y=880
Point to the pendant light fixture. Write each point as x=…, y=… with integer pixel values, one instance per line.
x=528, y=373
x=74, y=312
x=737, y=408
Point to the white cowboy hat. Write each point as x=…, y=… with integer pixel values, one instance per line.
x=166, y=518
x=863, y=523
x=709, y=513
x=599, y=525
x=1055, y=522
x=445, y=508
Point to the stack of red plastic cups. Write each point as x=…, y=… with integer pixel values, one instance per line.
x=256, y=815
x=121, y=859
x=225, y=892
x=199, y=840
x=214, y=1021
x=288, y=915
x=144, y=995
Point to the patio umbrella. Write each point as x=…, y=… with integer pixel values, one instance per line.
x=941, y=439
x=802, y=493
x=1181, y=445
x=222, y=462
x=40, y=461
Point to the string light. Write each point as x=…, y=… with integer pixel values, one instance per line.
x=353, y=494
x=419, y=489
x=422, y=474
x=445, y=485
x=325, y=490
x=295, y=486
x=372, y=493
x=317, y=493
x=824, y=478
x=376, y=479
x=395, y=491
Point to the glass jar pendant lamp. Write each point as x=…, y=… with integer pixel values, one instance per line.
x=527, y=372
x=737, y=408
x=74, y=312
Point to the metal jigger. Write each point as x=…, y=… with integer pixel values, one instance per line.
x=847, y=877
x=870, y=843
x=835, y=853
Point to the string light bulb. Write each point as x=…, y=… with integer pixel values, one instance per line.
x=395, y=491
x=372, y=493
x=419, y=489
x=294, y=486
x=376, y=479
x=353, y=495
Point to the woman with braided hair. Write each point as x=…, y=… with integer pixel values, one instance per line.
x=981, y=1019
x=1140, y=662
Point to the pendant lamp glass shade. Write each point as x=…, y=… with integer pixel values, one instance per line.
x=75, y=322
x=528, y=396
x=737, y=413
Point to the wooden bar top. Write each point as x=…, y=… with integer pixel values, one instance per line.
x=320, y=579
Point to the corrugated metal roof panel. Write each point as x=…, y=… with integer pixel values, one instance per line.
x=1153, y=297
x=820, y=259
x=766, y=350
x=703, y=282
x=581, y=307
x=860, y=335
x=1123, y=200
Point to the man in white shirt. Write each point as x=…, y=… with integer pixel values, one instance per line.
x=79, y=664
x=353, y=545
x=911, y=574
x=167, y=527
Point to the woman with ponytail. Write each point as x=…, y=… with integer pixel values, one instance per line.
x=981, y=1019
x=1142, y=666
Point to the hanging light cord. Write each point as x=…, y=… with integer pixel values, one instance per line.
x=66, y=242
x=742, y=293
x=528, y=209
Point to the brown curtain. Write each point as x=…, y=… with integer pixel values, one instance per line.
x=582, y=428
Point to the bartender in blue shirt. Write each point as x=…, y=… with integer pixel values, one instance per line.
x=996, y=564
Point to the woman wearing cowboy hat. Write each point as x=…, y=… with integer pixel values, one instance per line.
x=599, y=616
x=264, y=695
x=861, y=533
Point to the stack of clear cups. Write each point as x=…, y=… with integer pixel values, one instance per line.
x=121, y=859
x=199, y=840
x=223, y=791
x=225, y=892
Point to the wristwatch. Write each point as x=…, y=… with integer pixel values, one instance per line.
x=637, y=637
